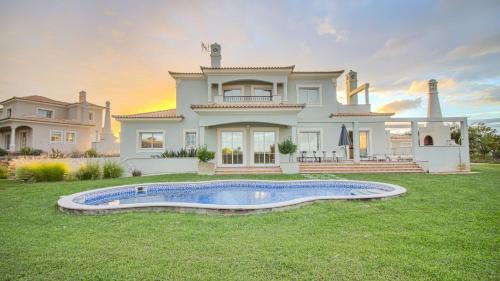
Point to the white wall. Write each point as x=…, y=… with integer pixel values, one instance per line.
x=439, y=159
x=150, y=166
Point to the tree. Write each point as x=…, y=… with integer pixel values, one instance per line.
x=483, y=139
x=287, y=147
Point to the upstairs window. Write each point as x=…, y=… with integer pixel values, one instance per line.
x=9, y=112
x=233, y=93
x=190, y=139
x=151, y=140
x=91, y=116
x=309, y=95
x=262, y=92
x=44, y=113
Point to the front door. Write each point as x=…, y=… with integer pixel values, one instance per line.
x=264, y=148
x=232, y=148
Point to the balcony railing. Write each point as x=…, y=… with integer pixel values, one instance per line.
x=247, y=98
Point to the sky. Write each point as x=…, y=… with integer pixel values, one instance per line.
x=122, y=50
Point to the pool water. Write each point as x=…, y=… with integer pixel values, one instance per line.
x=231, y=192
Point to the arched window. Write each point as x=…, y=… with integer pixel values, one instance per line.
x=428, y=140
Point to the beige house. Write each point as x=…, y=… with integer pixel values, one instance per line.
x=43, y=123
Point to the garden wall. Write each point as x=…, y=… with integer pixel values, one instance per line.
x=153, y=166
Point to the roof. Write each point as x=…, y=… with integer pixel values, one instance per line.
x=290, y=67
x=42, y=99
x=358, y=114
x=46, y=120
x=161, y=114
x=245, y=106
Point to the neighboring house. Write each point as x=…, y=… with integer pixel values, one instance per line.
x=46, y=124
x=242, y=113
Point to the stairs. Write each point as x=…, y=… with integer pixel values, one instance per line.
x=247, y=170
x=363, y=167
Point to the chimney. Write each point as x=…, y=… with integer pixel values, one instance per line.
x=215, y=55
x=351, y=83
x=433, y=106
x=107, y=119
x=82, y=97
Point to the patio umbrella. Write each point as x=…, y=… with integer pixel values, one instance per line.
x=344, y=140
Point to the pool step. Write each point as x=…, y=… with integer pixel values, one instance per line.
x=247, y=170
x=369, y=167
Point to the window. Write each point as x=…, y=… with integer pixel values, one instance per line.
x=45, y=113
x=56, y=136
x=309, y=141
x=190, y=139
x=151, y=140
x=262, y=92
x=91, y=116
x=9, y=112
x=70, y=137
x=309, y=95
x=233, y=93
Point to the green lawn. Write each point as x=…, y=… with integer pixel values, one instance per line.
x=447, y=227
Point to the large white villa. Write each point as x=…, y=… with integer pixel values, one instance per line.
x=242, y=113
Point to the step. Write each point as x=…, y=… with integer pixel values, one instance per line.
x=247, y=170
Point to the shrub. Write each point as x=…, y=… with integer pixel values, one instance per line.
x=75, y=153
x=42, y=172
x=204, y=155
x=3, y=152
x=111, y=170
x=183, y=152
x=91, y=171
x=136, y=173
x=30, y=151
x=91, y=153
x=287, y=147
x=56, y=153
x=4, y=171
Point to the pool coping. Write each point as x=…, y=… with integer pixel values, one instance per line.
x=66, y=203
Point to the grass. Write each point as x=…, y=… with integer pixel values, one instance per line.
x=447, y=227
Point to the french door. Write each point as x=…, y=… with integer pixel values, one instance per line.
x=232, y=148
x=264, y=148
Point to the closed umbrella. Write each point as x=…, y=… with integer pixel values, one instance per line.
x=344, y=140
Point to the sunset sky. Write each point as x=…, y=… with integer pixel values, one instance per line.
x=122, y=50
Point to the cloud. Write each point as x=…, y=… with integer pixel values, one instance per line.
x=420, y=86
x=475, y=50
x=484, y=95
x=398, y=106
x=393, y=47
x=326, y=28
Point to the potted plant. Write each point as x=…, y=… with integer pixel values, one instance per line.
x=205, y=167
x=288, y=147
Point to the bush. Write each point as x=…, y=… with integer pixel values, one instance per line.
x=91, y=171
x=204, y=155
x=191, y=152
x=56, y=153
x=75, y=153
x=136, y=173
x=42, y=172
x=287, y=147
x=30, y=151
x=4, y=171
x=91, y=153
x=3, y=152
x=111, y=170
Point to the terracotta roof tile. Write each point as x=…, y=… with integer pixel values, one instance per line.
x=169, y=113
x=291, y=67
x=38, y=98
x=354, y=114
x=47, y=120
x=247, y=105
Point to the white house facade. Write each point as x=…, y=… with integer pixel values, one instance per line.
x=242, y=113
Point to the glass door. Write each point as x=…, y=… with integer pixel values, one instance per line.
x=232, y=148
x=264, y=148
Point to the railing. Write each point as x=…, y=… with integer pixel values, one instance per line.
x=247, y=98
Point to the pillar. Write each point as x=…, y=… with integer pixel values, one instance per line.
x=275, y=89
x=285, y=91
x=294, y=134
x=12, y=145
x=355, y=138
x=107, y=119
x=202, y=136
x=219, y=89
x=209, y=89
x=414, y=138
x=464, y=130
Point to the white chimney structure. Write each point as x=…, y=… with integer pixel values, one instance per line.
x=215, y=55
x=433, y=106
x=107, y=142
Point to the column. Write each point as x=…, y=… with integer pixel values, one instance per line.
x=275, y=89
x=219, y=89
x=464, y=130
x=414, y=138
x=209, y=89
x=355, y=138
x=285, y=91
x=12, y=145
x=294, y=134
x=367, y=95
x=201, y=136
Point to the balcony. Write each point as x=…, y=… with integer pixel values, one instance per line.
x=247, y=99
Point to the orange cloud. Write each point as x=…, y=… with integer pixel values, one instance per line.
x=400, y=105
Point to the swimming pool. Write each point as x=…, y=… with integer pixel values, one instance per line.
x=222, y=196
